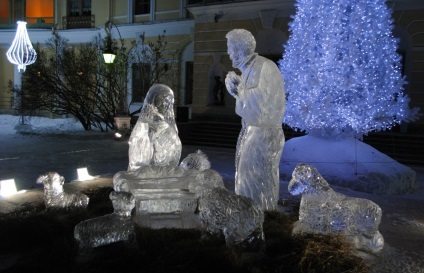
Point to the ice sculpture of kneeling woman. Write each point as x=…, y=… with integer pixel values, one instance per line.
x=154, y=139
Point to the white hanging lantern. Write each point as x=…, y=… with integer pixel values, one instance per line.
x=21, y=52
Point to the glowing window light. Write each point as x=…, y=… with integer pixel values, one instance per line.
x=7, y=187
x=21, y=52
x=83, y=174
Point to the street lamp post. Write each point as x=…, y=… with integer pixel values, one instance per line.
x=122, y=120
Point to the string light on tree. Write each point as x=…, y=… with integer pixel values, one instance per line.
x=341, y=70
x=21, y=52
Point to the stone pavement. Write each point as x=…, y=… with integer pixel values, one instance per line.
x=25, y=157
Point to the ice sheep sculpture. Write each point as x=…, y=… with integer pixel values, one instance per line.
x=322, y=210
x=55, y=197
x=196, y=161
x=236, y=217
x=110, y=228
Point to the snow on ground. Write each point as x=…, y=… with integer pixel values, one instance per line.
x=349, y=163
x=9, y=124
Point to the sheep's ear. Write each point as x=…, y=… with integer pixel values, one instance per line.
x=112, y=195
x=41, y=179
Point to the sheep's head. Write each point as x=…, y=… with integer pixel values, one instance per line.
x=196, y=161
x=306, y=179
x=52, y=181
x=123, y=203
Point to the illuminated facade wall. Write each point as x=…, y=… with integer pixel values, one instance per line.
x=198, y=33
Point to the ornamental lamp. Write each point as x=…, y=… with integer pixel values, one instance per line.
x=108, y=54
x=21, y=52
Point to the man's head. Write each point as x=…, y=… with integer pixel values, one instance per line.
x=240, y=44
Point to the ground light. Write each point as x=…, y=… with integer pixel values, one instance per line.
x=7, y=187
x=83, y=174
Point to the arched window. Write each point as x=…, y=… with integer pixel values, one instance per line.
x=140, y=72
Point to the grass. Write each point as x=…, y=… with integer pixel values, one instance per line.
x=37, y=240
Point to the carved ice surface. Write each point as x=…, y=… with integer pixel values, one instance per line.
x=56, y=197
x=154, y=139
x=196, y=161
x=237, y=217
x=260, y=102
x=322, y=210
x=205, y=181
x=169, y=189
x=149, y=176
x=109, y=228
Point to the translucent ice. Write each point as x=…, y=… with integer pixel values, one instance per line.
x=169, y=189
x=154, y=139
x=260, y=102
x=205, y=181
x=237, y=217
x=56, y=197
x=196, y=161
x=109, y=228
x=148, y=177
x=322, y=210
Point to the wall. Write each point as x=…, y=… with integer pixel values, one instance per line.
x=210, y=54
x=411, y=21
x=6, y=74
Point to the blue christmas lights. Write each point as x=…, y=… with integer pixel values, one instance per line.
x=341, y=70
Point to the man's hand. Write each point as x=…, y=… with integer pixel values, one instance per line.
x=232, y=82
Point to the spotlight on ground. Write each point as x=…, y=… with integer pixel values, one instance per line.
x=83, y=174
x=7, y=187
x=118, y=136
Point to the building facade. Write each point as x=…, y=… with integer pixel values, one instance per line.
x=195, y=29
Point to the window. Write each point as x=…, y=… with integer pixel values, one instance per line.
x=140, y=81
x=4, y=11
x=189, y=83
x=39, y=8
x=31, y=11
x=141, y=7
x=79, y=7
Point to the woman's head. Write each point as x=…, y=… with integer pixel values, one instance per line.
x=160, y=97
x=160, y=101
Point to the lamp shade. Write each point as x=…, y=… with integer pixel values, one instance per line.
x=109, y=57
x=21, y=52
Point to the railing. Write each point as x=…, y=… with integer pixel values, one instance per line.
x=85, y=21
x=213, y=2
x=32, y=22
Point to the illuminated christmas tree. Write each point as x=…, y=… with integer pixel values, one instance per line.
x=343, y=80
x=341, y=70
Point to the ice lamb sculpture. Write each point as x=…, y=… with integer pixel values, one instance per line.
x=154, y=139
x=236, y=217
x=110, y=228
x=55, y=196
x=322, y=210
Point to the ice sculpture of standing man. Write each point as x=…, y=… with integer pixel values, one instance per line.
x=260, y=102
